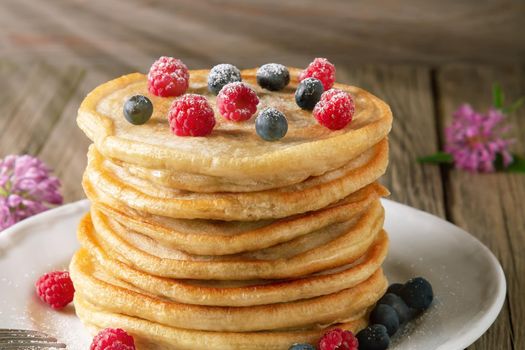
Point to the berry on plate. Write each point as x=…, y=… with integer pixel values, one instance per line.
x=221, y=75
x=191, y=115
x=168, y=76
x=338, y=339
x=387, y=316
x=403, y=311
x=374, y=337
x=417, y=293
x=138, y=109
x=271, y=124
x=55, y=289
x=335, y=109
x=320, y=69
x=237, y=102
x=301, y=347
x=308, y=93
x=395, y=288
x=273, y=76
x=112, y=339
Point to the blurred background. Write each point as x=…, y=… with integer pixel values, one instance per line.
x=424, y=57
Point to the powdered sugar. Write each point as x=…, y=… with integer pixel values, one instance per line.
x=168, y=76
x=321, y=69
x=222, y=74
x=274, y=69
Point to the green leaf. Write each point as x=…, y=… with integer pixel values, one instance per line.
x=498, y=99
x=515, y=106
x=517, y=165
x=437, y=158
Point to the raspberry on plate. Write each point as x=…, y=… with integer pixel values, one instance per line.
x=320, y=69
x=112, y=339
x=338, y=339
x=168, y=76
x=237, y=101
x=55, y=289
x=335, y=109
x=191, y=115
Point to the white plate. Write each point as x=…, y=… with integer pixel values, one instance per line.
x=468, y=281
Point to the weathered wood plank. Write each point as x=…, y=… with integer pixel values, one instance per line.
x=41, y=118
x=491, y=206
x=255, y=32
x=70, y=161
x=408, y=91
x=33, y=117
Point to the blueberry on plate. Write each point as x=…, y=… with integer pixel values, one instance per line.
x=387, y=316
x=222, y=74
x=417, y=293
x=403, y=311
x=374, y=337
x=395, y=288
x=271, y=124
x=302, y=347
x=273, y=76
x=308, y=93
x=138, y=109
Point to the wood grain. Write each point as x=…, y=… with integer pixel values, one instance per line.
x=209, y=31
x=491, y=206
x=408, y=91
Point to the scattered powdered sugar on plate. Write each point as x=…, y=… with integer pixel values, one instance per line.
x=425, y=325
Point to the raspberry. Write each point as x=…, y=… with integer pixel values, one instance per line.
x=320, y=69
x=55, y=289
x=335, y=109
x=337, y=339
x=112, y=339
x=191, y=115
x=237, y=101
x=168, y=76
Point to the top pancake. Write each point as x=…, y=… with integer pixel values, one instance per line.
x=232, y=150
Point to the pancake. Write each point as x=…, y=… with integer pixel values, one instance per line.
x=233, y=153
x=229, y=241
x=122, y=190
x=205, y=237
x=105, y=291
x=154, y=336
x=336, y=245
x=244, y=293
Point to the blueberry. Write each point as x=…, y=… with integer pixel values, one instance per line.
x=417, y=293
x=374, y=337
x=387, y=316
x=402, y=310
x=138, y=109
x=302, y=347
x=273, y=76
x=221, y=75
x=271, y=124
x=308, y=93
x=395, y=288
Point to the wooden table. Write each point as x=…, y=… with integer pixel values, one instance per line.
x=423, y=57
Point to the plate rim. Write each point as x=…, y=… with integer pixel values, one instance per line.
x=467, y=338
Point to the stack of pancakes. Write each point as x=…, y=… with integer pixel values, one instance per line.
x=229, y=241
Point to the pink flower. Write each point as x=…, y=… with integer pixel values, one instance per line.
x=26, y=188
x=474, y=140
